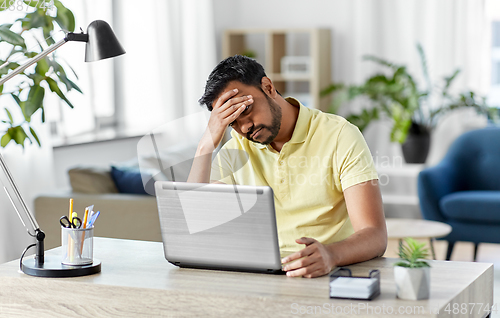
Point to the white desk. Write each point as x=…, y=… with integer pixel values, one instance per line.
x=136, y=281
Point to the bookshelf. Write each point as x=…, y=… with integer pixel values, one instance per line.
x=271, y=45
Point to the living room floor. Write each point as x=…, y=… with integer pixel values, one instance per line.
x=463, y=252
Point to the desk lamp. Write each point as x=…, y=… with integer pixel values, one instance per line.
x=101, y=44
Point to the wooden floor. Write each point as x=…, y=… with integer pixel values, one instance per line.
x=464, y=252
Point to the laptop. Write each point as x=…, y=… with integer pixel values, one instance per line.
x=219, y=226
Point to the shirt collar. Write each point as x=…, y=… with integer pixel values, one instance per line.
x=301, y=126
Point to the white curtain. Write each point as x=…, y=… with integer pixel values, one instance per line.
x=453, y=33
x=170, y=52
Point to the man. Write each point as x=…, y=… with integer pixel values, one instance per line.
x=328, y=204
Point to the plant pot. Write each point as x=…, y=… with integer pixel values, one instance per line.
x=412, y=283
x=417, y=144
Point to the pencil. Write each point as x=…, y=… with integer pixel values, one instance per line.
x=85, y=217
x=70, y=210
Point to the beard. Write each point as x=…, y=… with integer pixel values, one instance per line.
x=275, y=124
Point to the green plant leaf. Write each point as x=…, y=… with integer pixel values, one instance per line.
x=31, y=3
x=10, y=116
x=64, y=17
x=35, y=136
x=448, y=81
x=11, y=37
x=16, y=98
x=423, y=62
x=10, y=66
x=42, y=67
x=18, y=134
x=380, y=61
x=61, y=74
x=5, y=140
x=34, y=101
x=55, y=88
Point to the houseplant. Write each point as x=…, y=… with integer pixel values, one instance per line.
x=412, y=274
x=41, y=18
x=414, y=112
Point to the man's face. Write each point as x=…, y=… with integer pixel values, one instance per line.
x=261, y=121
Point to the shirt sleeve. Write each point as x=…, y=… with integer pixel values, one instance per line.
x=354, y=160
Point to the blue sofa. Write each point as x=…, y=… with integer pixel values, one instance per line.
x=463, y=190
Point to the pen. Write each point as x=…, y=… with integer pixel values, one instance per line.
x=94, y=217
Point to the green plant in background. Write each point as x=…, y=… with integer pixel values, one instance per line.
x=397, y=96
x=48, y=72
x=250, y=53
x=412, y=254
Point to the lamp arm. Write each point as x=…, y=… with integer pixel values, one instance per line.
x=32, y=220
x=33, y=60
x=39, y=235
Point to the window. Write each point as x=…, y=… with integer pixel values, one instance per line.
x=494, y=96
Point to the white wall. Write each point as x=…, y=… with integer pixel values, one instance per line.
x=101, y=154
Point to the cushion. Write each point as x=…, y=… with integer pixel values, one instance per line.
x=472, y=206
x=91, y=180
x=128, y=180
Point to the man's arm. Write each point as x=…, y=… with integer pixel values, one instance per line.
x=364, y=205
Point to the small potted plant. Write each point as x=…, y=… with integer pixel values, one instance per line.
x=412, y=274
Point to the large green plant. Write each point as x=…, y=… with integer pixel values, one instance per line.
x=397, y=95
x=48, y=72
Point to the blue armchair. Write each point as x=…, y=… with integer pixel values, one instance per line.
x=463, y=190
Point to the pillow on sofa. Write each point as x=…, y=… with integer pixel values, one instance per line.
x=129, y=180
x=91, y=180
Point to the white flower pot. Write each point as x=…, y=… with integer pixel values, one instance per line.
x=412, y=283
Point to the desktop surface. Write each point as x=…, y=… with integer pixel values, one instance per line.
x=136, y=280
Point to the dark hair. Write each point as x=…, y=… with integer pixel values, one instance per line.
x=235, y=68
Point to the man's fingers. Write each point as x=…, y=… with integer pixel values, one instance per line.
x=304, y=270
x=232, y=117
x=316, y=273
x=224, y=97
x=305, y=240
x=302, y=253
x=233, y=105
x=304, y=262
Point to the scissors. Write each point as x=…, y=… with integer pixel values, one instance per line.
x=76, y=223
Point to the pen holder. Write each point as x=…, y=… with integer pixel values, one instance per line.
x=77, y=246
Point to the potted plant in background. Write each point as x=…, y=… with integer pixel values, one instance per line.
x=414, y=112
x=41, y=16
x=412, y=274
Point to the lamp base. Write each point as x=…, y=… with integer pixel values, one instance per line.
x=52, y=267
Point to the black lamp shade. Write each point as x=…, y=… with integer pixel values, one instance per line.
x=102, y=42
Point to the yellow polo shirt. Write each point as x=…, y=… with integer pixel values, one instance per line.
x=325, y=156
